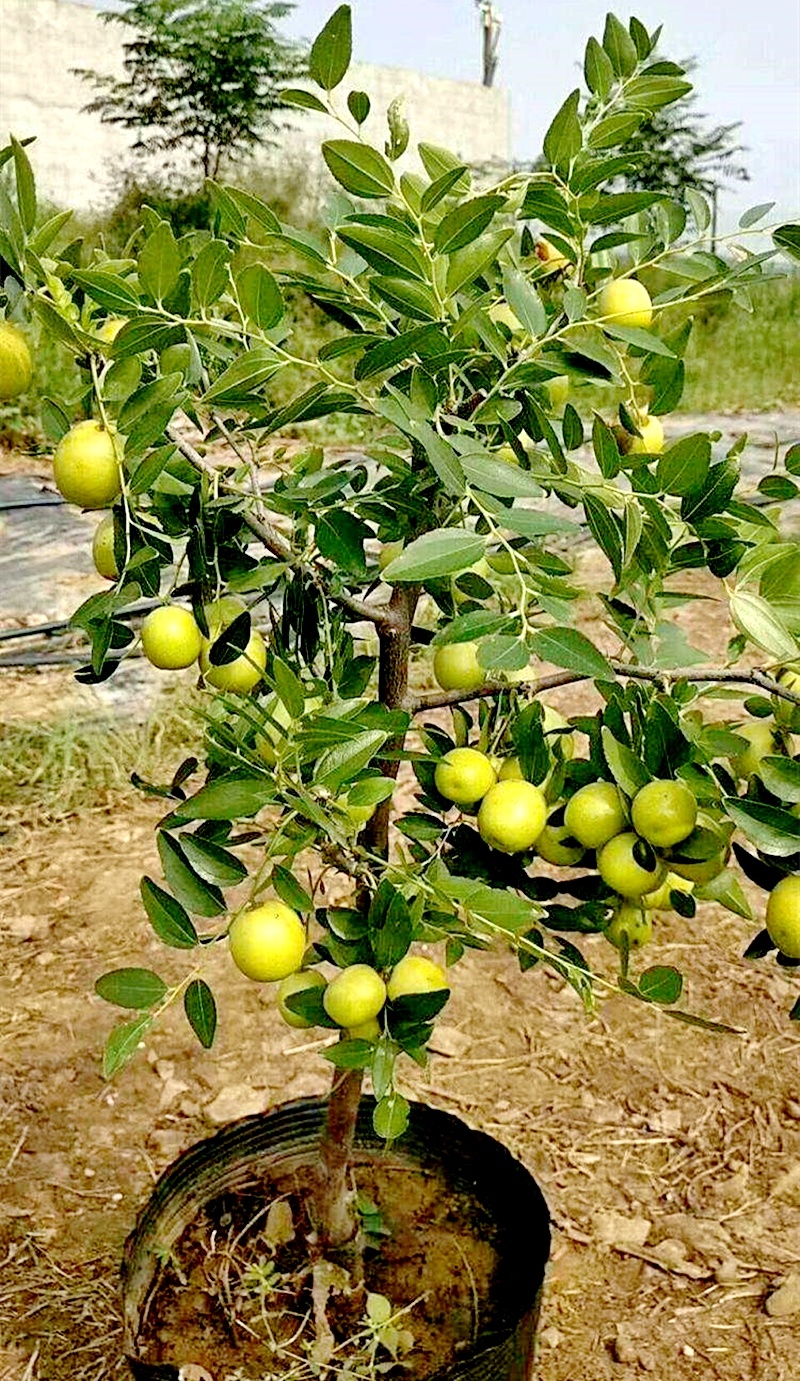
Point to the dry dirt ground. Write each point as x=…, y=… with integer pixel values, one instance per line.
x=670, y=1157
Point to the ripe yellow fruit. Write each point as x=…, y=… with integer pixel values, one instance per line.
x=502, y=315
x=300, y=982
x=651, y=441
x=268, y=942
x=354, y=996
x=110, y=329
x=632, y=921
x=762, y=741
x=557, y=390
x=664, y=813
x=16, y=365
x=464, y=776
x=510, y=771
x=786, y=713
x=619, y=868
x=244, y=673
x=659, y=900
x=595, y=814
x=551, y=257
x=626, y=302
x=512, y=816
x=85, y=466
x=103, y=549
x=171, y=639
x=556, y=845
x=366, y=1031
x=783, y=916
x=456, y=667
x=415, y=973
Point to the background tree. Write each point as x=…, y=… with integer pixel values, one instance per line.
x=201, y=77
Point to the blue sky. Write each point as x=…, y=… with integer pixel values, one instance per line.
x=748, y=54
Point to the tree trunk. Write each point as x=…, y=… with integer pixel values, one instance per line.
x=333, y=1215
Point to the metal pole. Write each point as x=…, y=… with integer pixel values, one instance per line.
x=491, y=23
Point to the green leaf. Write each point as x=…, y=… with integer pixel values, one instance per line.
x=772, y=830
x=787, y=238
x=421, y=340
x=168, y=918
x=545, y=203
x=760, y=622
x=501, y=478
x=352, y=1053
x=620, y=47
x=390, y=925
x=201, y=1011
x=442, y=186
x=781, y=777
x=260, y=296
x=566, y=647
x=628, y=770
x=652, y=93
x=41, y=241
x=437, y=161
x=359, y=105
x=597, y=69
x=638, y=337
x=778, y=487
x=233, y=797
x=605, y=530
x=248, y=373
x=465, y=223
x=122, y=1045
x=290, y=890
x=250, y=205
x=525, y=302
x=303, y=100
x=144, y=333
x=192, y=892
x=108, y=290
x=503, y=652
x=446, y=551
x=344, y=762
x=726, y=890
x=683, y=467
x=159, y=262
x=385, y=250
x=137, y=988
x=340, y=538
x=332, y=50
x=572, y=429
x=210, y=272
x=605, y=447
x=661, y=984
x=411, y=299
x=26, y=187
x=358, y=168
x=469, y=263
x=564, y=138
x=610, y=209
x=390, y=1117
x=212, y=862
x=700, y=209
x=714, y=495
x=615, y=129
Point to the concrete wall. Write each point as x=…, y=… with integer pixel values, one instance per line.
x=75, y=156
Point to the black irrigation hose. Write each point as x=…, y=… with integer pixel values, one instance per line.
x=44, y=630
x=44, y=659
x=46, y=501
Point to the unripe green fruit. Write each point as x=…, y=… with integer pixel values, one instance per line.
x=16, y=365
x=510, y=771
x=556, y=845
x=268, y=942
x=243, y=674
x=85, y=466
x=557, y=390
x=619, y=868
x=299, y=982
x=786, y=713
x=355, y=995
x=512, y=816
x=103, y=548
x=595, y=814
x=762, y=740
x=456, y=667
x=660, y=899
x=783, y=916
x=171, y=639
x=626, y=302
x=389, y=552
x=632, y=921
x=664, y=813
x=464, y=776
x=415, y=973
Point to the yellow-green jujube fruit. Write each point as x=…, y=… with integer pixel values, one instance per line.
x=783, y=916
x=463, y=776
x=388, y=552
x=171, y=639
x=651, y=441
x=243, y=674
x=595, y=814
x=620, y=869
x=456, y=667
x=16, y=364
x=552, y=720
x=300, y=982
x=366, y=1031
x=512, y=815
x=550, y=256
x=268, y=942
x=703, y=854
x=787, y=713
x=557, y=390
x=503, y=315
x=664, y=812
x=556, y=845
x=355, y=995
x=86, y=467
x=660, y=899
x=632, y=921
x=105, y=562
x=110, y=329
x=510, y=771
x=762, y=741
x=415, y=973
x=626, y=302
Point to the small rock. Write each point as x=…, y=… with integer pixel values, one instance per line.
x=668, y=1120
x=784, y=1302
x=448, y=1040
x=623, y=1348
x=551, y=1337
x=25, y=927
x=237, y=1100
x=619, y=1230
x=191, y=1372
x=688, y=1351
x=171, y=1092
x=788, y=1186
x=728, y=1272
x=165, y=1069
x=45, y=957
x=792, y=1108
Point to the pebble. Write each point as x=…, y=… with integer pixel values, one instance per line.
x=784, y=1302
x=620, y=1230
x=26, y=927
x=448, y=1040
x=551, y=1337
x=234, y=1101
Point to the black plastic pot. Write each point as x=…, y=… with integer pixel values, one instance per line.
x=287, y=1139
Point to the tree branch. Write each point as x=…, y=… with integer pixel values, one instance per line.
x=437, y=700
x=275, y=542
